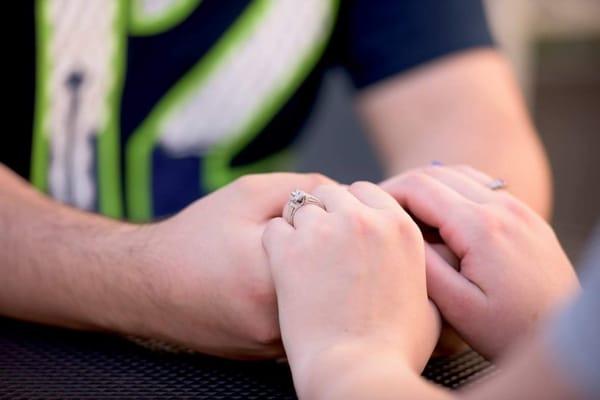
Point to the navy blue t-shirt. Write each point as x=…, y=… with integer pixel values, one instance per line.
x=136, y=108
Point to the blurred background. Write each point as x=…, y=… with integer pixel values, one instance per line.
x=554, y=46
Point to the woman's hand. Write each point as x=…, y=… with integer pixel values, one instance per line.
x=350, y=284
x=512, y=269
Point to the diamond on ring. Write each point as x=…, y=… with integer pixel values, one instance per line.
x=297, y=200
x=297, y=197
x=497, y=184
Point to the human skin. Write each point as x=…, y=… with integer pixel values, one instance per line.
x=511, y=271
x=488, y=115
x=464, y=108
x=341, y=264
x=349, y=277
x=198, y=279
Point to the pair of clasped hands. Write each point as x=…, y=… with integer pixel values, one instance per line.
x=358, y=282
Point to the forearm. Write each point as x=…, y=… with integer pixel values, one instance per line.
x=382, y=379
x=505, y=150
x=464, y=109
x=364, y=375
x=530, y=373
x=62, y=266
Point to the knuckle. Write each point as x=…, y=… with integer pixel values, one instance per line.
x=361, y=223
x=322, y=231
x=491, y=221
x=355, y=219
x=400, y=220
x=263, y=329
x=408, y=230
x=260, y=300
x=488, y=220
x=515, y=207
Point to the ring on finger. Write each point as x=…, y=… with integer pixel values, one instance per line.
x=497, y=184
x=299, y=199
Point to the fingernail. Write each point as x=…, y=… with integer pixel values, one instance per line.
x=437, y=163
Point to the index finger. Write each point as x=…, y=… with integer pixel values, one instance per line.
x=435, y=204
x=264, y=195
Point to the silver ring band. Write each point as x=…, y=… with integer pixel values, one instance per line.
x=299, y=199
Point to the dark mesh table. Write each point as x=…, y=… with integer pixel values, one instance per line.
x=38, y=362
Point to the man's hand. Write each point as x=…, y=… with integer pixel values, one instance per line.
x=216, y=293
x=199, y=279
x=512, y=270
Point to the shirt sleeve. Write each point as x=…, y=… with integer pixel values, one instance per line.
x=574, y=337
x=378, y=39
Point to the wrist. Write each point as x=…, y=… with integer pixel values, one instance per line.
x=343, y=369
x=157, y=303
x=409, y=352
x=135, y=285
